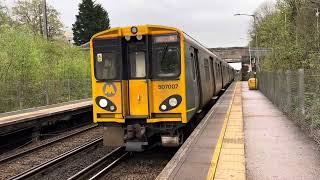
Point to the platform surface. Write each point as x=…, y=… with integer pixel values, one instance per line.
x=22, y=116
x=196, y=156
x=275, y=147
x=244, y=136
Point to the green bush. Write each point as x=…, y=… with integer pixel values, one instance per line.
x=35, y=72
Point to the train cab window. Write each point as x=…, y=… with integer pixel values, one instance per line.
x=106, y=65
x=138, y=64
x=167, y=62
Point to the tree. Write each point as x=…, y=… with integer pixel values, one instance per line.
x=4, y=18
x=30, y=13
x=92, y=18
x=290, y=29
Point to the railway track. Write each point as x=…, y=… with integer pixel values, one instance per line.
x=40, y=146
x=19, y=162
x=101, y=166
x=56, y=161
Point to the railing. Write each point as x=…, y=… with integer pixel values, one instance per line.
x=17, y=95
x=297, y=94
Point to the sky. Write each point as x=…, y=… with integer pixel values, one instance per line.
x=211, y=22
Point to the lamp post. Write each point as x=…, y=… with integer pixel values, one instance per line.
x=256, y=35
x=250, y=56
x=45, y=19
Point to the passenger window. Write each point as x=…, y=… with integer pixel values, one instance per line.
x=138, y=64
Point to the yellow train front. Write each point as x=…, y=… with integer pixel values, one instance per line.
x=149, y=81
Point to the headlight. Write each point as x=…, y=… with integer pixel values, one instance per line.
x=170, y=103
x=173, y=102
x=103, y=103
x=127, y=38
x=106, y=104
x=164, y=107
x=139, y=37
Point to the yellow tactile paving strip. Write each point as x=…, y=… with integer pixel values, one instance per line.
x=228, y=162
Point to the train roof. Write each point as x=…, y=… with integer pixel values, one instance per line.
x=153, y=29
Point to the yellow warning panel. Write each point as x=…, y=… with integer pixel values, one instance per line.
x=228, y=162
x=231, y=164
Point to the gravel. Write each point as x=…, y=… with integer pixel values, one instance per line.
x=139, y=166
x=40, y=156
x=142, y=166
x=75, y=164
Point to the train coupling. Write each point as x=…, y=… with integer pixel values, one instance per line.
x=135, y=138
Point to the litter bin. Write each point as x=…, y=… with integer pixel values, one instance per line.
x=253, y=84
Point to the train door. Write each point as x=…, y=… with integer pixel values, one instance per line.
x=221, y=75
x=195, y=60
x=138, y=82
x=213, y=76
x=196, y=83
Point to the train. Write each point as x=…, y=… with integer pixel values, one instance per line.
x=148, y=83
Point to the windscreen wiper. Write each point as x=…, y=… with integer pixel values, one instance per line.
x=164, y=53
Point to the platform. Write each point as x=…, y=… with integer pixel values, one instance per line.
x=276, y=148
x=199, y=155
x=14, y=121
x=244, y=136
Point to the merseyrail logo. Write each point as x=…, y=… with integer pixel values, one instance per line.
x=110, y=89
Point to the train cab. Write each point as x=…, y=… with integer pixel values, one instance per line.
x=146, y=83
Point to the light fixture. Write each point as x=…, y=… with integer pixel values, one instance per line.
x=106, y=104
x=103, y=103
x=170, y=103
x=139, y=37
x=163, y=107
x=173, y=102
x=134, y=30
x=127, y=38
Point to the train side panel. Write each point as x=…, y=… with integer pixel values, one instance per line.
x=213, y=76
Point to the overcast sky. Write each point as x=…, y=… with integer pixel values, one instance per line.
x=211, y=22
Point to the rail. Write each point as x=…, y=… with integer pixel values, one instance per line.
x=59, y=159
x=19, y=154
x=93, y=171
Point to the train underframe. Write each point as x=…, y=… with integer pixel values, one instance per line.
x=139, y=135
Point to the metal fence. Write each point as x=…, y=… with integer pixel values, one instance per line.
x=17, y=95
x=297, y=94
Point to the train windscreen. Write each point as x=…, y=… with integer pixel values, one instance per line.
x=107, y=59
x=166, y=56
